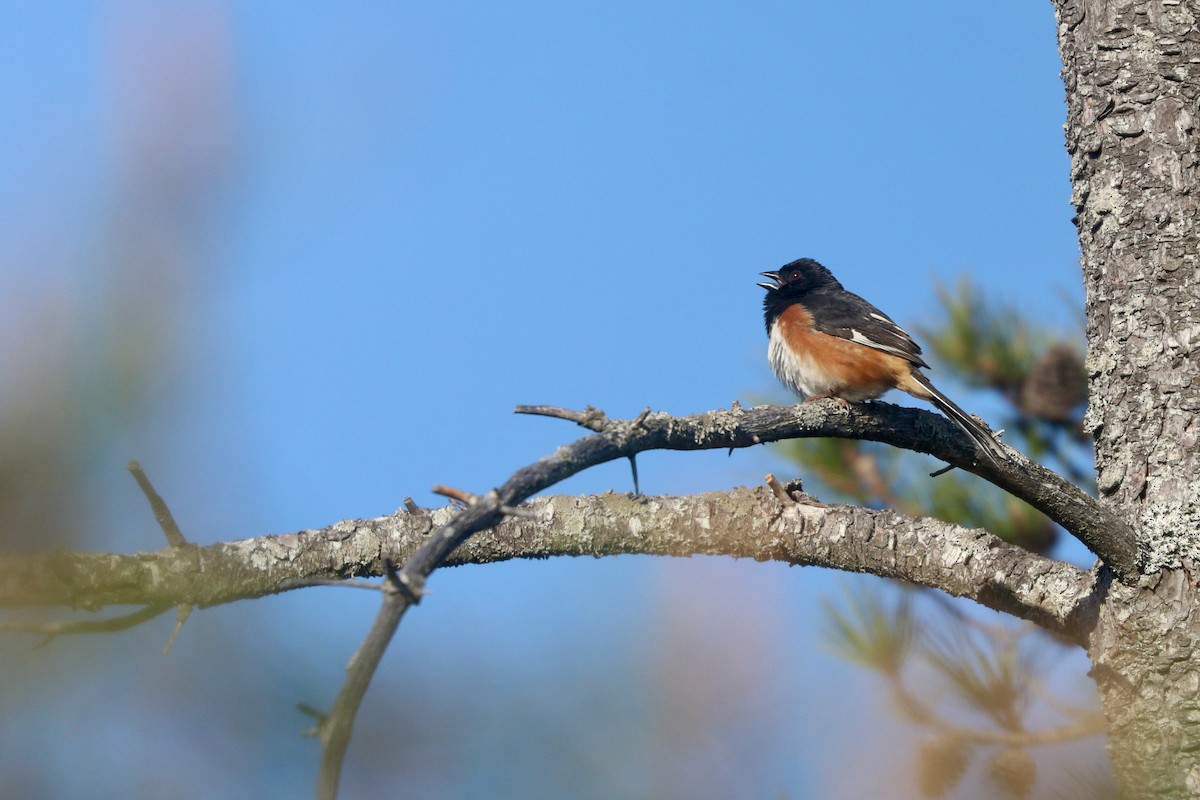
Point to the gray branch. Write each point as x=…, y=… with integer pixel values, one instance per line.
x=229, y=571
x=743, y=523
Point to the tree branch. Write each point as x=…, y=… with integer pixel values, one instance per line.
x=743, y=523
x=334, y=729
x=206, y=576
x=228, y=571
x=738, y=427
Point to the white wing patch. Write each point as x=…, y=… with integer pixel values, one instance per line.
x=862, y=338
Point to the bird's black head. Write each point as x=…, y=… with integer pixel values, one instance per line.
x=790, y=283
x=798, y=277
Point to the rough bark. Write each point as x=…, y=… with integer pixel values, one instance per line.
x=744, y=523
x=1132, y=76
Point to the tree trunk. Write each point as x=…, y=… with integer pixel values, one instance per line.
x=1132, y=71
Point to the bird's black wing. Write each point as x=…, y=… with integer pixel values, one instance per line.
x=844, y=314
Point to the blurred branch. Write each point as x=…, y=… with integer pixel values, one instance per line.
x=986, y=342
x=989, y=668
x=53, y=630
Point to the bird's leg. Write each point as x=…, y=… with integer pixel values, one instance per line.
x=841, y=401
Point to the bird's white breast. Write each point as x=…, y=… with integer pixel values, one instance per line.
x=798, y=371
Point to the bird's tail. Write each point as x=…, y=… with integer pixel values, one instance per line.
x=981, y=435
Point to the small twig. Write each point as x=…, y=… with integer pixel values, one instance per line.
x=161, y=513
x=637, y=424
x=182, y=612
x=304, y=583
x=318, y=716
x=591, y=418
x=778, y=490
x=466, y=498
x=411, y=506
x=53, y=630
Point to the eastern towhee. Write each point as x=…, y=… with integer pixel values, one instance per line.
x=828, y=342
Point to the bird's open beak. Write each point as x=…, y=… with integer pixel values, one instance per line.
x=774, y=276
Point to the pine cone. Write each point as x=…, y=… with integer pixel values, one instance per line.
x=1013, y=772
x=941, y=763
x=1055, y=386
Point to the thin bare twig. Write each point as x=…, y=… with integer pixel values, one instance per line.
x=182, y=612
x=166, y=521
x=591, y=418
x=53, y=630
x=466, y=498
x=941, y=471
x=778, y=490
x=304, y=583
x=318, y=716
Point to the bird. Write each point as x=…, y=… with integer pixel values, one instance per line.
x=828, y=342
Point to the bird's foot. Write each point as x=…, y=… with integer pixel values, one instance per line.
x=841, y=401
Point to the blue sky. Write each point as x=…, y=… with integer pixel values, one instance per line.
x=403, y=219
